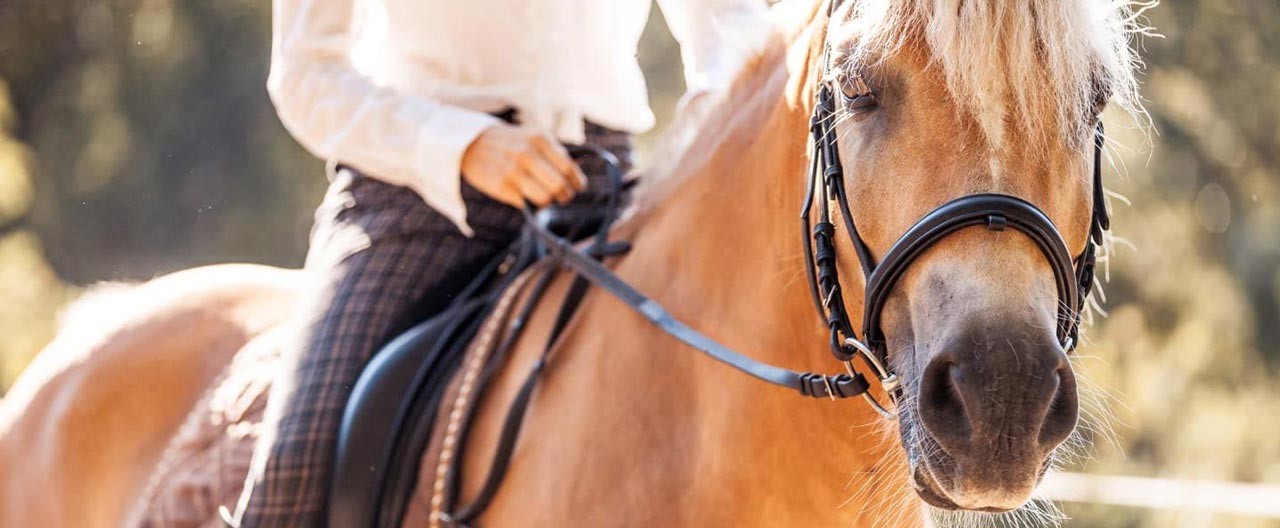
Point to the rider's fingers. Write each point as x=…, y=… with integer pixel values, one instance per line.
x=533, y=190
x=509, y=193
x=551, y=179
x=560, y=159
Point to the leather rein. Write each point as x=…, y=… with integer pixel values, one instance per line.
x=825, y=191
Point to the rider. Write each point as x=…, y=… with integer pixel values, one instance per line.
x=437, y=117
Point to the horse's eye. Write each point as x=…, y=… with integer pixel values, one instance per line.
x=1101, y=96
x=1098, y=107
x=857, y=95
x=861, y=103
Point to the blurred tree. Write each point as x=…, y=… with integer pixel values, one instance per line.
x=153, y=138
x=31, y=292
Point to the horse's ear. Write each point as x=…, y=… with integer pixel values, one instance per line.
x=804, y=57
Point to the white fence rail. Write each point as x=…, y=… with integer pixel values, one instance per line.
x=1254, y=500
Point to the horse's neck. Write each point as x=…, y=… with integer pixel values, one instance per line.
x=710, y=445
x=724, y=248
x=723, y=253
x=729, y=227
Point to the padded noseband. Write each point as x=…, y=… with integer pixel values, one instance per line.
x=997, y=212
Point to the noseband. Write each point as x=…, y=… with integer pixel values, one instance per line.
x=998, y=212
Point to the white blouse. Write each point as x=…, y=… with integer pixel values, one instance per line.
x=400, y=88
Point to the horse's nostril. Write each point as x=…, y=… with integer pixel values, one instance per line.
x=1063, y=412
x=942, y=406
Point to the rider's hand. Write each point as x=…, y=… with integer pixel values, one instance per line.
x=511, y=164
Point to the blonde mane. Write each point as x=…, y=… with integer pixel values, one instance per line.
x=1038, y=64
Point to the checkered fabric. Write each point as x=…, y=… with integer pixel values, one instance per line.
x=381, y=260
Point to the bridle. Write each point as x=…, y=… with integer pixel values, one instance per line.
x=998, y=212
x=825, y=190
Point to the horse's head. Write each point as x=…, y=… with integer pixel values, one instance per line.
x=937, y=100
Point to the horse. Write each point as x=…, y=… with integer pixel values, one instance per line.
x=934, y=101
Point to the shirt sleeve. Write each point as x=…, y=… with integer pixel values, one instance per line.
x=716, y=38
x=338, y=113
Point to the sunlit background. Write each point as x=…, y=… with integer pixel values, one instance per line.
x=136, y=138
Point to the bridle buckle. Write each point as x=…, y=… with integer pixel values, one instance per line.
x=881, y=370
x=888, y=379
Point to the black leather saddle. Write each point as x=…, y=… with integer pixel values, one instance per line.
x=388, y=418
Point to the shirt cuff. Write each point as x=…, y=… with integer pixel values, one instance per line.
x=441, y=142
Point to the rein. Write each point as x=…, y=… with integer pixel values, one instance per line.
x=590, y=269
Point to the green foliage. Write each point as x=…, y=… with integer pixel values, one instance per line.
x=136, y=138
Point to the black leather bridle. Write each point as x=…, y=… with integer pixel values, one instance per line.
x=998, y=212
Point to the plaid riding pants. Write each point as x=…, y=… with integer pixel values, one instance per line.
x=380, y=261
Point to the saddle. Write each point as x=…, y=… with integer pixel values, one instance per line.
x=390, y=416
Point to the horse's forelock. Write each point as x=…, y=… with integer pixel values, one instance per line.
x=1033, y=62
